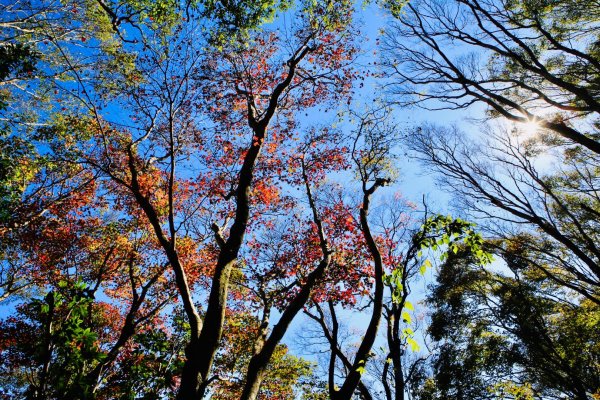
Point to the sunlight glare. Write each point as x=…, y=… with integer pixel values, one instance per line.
x=529, y=128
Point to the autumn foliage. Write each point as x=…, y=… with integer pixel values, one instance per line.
x=183, y=184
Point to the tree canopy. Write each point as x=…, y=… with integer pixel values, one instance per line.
x=202, y=199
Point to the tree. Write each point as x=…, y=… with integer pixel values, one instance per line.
x=536, y=64
x=176, y=192
x=62, y=357
x=251, y=94
x=40, y=44
x=508, y=335
x=556, y=217
x=194, y=194
x=527, y=61
x=541, y=70
x=281, y=376
x=133, y=287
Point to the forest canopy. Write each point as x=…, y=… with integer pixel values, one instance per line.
x=310, y=199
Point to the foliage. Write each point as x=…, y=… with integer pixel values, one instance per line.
x=284, y=373
x=235, y=19
x=16, y=60
x=528, y=178
x=182, y=159
x=442, y=230
x=50, y=340
x=150, y=366
x=16, y=171
x=498, y=334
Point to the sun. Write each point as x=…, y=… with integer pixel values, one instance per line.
x=529, y=128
